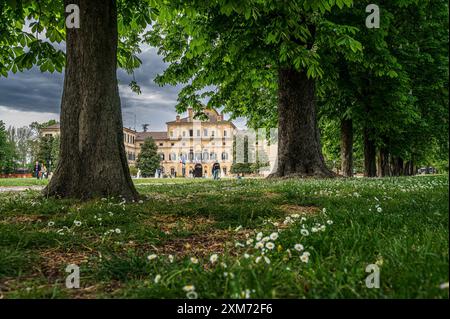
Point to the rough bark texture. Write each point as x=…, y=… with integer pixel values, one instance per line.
x=397, y=166
x=92, y=155
x=347, y=147
x=383, y=163
x=370, y=164
x=408, y=169
x=299, y=149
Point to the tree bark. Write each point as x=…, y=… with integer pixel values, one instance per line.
x=92, y=154
x=384, y=163
x=347, y=147
x=397, y=166
x=370, y=164
x=407, y=169
x=299, y=149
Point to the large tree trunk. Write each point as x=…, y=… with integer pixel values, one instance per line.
x=370, y=164
x=407, y=169
x=397, y=166
x=92, y=155
x=299, y=149
x=347, y=147
x=384, y=163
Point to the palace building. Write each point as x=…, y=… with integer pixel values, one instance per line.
x=188, y=147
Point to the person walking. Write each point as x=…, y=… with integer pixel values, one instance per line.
x=44, y=172
x=216, y=170
x=37, y=169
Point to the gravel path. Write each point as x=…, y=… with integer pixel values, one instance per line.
x=20, y=188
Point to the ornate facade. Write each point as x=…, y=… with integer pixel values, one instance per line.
x=187, y=146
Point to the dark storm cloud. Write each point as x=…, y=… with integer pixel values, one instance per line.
x=33, y=91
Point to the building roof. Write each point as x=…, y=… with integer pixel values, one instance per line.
x=141, y=136
x=212, y=117
x=52, y=127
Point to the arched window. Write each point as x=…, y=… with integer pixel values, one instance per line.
x=198, y=156
x=213, y=156
x=205, y=155
x=161, y=156
x=191, y=155
x=224, y=156
x=172, y=157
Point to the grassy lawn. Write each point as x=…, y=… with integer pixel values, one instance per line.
x=161, y=247
x=10, y=182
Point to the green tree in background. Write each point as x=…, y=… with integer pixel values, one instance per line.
x=394, y=101
x=148, y=159
x=48, y=151
x=7, y=151
x=255, y=54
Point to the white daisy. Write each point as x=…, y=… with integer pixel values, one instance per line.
x=189, y=288
x=259, y=236
x=213, y=258
x=259, y=245
x=304, y=257
x=152, y=257
x=299, y=247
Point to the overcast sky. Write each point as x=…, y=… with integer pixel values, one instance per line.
x=34, y=96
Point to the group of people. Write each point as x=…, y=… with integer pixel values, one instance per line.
x=216, y=170
x=159, y=173
x=40, y=171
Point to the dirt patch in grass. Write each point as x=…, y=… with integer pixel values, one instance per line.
x=272, y=195
x=301, y=210
x=54, y=261
x=92, y=291
x=171, y=223
x=22, y=219
x=204, y=244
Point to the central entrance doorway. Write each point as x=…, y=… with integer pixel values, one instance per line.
x=198, y=170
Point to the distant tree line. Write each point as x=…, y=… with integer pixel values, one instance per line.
x=21, y=147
